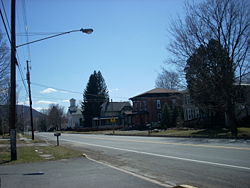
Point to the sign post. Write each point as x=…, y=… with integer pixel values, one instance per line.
x=113, y=120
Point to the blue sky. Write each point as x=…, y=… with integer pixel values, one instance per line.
x=128, y=46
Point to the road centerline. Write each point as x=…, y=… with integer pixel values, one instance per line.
x=168, y=143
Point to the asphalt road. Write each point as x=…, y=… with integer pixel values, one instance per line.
x=198, y=162
x=75, y=173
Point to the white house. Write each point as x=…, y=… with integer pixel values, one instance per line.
x=75, y=117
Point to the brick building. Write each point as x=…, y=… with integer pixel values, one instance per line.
x=147, y=107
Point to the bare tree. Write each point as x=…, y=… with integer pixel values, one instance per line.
x=246, y=78
x=4, y=71
x=227, y=21
x=55, y=116
x=168, y=79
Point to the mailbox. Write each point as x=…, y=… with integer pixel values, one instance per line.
x=57, y=137
x=57, y=134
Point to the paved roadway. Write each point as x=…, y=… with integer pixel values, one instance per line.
x=198, y=162
x=75, y=173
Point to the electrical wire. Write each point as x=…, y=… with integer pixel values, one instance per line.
x=7, y=32
x=5, y=14
x=38, y=33
x=5, y=27
x=69, y=91
x=22, y=77
x=24, y=13
x=64, y=90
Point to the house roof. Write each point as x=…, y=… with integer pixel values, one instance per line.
x=114, y=106
x=156, y=91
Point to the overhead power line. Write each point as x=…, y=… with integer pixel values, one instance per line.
x=22, y=77
x=38, y=33
x=5, y=27
x=59, y=89
x=8, y=24
x=26, y=28
x=7, y=32
x=69, y=91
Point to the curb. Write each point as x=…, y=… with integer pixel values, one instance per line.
x=137, y=175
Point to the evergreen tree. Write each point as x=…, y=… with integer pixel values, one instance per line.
x=175, y=114
x=169, y=116
x=95, y=94
x=165, y=120
x=210, y=78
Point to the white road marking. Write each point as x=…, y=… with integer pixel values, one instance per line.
x=166, y=143
x=160, y=155
x=133, y=174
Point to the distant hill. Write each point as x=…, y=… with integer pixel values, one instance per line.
x=21, y=110
x=25, y=111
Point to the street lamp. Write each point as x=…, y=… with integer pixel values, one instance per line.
x=86, y=31
x=12, y=110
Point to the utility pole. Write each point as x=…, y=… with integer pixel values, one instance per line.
x=12, y=109
x=31, y=115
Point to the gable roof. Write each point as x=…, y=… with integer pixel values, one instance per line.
x=157, y=91
x=114, y=106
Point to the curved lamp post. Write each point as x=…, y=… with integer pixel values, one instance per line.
x=12, y=111
x=86, y=31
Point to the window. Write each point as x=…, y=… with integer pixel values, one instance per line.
x=197, y=112
x=145, y=105
x=187, y=99
x=189, y=114
x=173, y=102
x=135, y=106
x=158, y=104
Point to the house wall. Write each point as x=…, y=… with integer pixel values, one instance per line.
x=118, y=112
x=243, y=102
x=74, y=121
x=190, y=111
x=149, y=109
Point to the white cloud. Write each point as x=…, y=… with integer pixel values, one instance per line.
x=46, y=102
x=63, y=91
x=23, y=102
x=65, y=101
x=48, y=90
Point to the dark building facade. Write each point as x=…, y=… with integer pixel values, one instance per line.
x=114, y=114
x=147, y=107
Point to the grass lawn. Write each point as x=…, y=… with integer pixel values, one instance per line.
x=4, y=141
x=27, y=154
x=243, y=132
